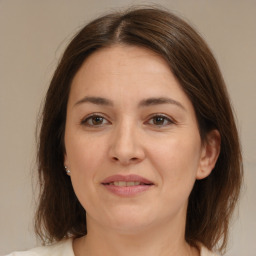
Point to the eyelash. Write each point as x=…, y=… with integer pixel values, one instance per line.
x=165, y=119
x=90, y=118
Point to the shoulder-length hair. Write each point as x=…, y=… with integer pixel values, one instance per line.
x=212, y=199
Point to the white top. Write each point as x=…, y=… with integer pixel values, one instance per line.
x=65, y=248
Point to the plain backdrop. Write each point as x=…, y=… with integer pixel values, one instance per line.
x=33, y=34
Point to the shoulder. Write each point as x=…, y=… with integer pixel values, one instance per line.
x=205, y=252
x=59, y=249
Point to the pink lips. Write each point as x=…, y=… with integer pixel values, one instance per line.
x=127, y=185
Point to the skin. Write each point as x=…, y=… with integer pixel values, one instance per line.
x=129, y=137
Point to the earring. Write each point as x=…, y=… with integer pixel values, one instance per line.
x=67, y=170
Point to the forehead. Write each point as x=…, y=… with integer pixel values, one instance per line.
x=121, y=59
x=123, y=66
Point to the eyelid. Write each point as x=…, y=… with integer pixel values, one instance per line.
x=167, y=117
x=86, y=118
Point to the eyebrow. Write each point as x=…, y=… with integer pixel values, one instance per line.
x=95, y=100
x=159, y=101
x=143, y=103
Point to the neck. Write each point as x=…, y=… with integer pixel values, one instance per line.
x=164, y=241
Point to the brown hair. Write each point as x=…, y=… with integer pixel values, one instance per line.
x=212, y=199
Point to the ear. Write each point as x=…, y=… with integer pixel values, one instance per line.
x=209, y=155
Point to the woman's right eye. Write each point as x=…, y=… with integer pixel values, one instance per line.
x=94, y=121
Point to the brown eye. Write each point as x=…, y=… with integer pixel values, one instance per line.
x=160, y=120
x=97, y=120
x=94, y=120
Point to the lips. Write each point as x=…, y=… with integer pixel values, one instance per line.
x=127, y=185
x=128, y=179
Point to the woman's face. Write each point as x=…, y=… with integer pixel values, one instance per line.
x=132, y=141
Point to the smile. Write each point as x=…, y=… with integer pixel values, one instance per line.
x=127, y=186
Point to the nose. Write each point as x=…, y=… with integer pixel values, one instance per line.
x=126, y=145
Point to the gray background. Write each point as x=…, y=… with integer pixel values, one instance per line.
x=33, y=35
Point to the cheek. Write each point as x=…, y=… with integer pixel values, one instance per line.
x=83, y=152
x=177, y=152
x=85, y=157
x=177, y=161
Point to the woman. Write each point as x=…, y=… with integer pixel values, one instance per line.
x=138, y=150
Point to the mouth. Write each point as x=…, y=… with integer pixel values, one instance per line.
x=126, y=186
x=127, y=183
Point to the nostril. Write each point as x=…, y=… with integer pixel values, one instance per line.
x=127, y=161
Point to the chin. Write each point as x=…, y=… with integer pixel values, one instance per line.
x=130, y=221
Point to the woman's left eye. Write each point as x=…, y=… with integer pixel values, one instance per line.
x=160, y=120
